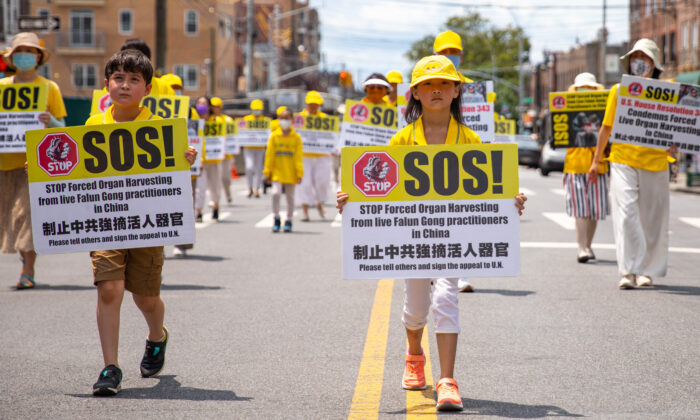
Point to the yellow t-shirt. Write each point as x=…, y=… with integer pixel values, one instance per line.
x=54, y=106
x=385, y=101
x=107, y=117
x=640, y=157
x=251, y=117
x=578, y=161
x=283, y=157
x=318, y=114
x=413, y=134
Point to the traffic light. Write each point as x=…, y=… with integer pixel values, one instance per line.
x=345, y=78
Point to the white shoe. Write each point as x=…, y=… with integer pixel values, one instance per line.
x=179, y=253
x=644, y=281
x=463, y=286
x=627, y=282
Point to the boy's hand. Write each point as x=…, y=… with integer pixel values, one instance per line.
x=341, y=198
x=191, y=155
x=520, y=200
x=45, y=118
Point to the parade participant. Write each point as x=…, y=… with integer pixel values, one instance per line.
x=434, y=117
x=586, y=202
x=639, y=190
x=203, y=109
x=449, y=44
x=128, y=79
x=275, y=124
x=24, y=56
x=394, y=77
x=283, y=167
x=254, y=155
x=160, y=88
x=211, y=169
x=313, y=189
x=217, y=106
x=376, y=88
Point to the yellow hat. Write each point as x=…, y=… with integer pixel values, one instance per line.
x=172, y=80
x=281, y=109
x=313, y=97
x=434, y=67
x=394, y=76
x=257, y=104
x=216, y=101
x=447, y=39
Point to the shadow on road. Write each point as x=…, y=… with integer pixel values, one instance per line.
x=187, y=287
x=678, y=290
x=513, y=410
x=512, y=293
x=210, y=258
x=62, y=287
x=168, y=388
x=603, y=262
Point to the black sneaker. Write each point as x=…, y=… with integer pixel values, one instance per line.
x=215, y=214
x=287, y=226
x=154, y=356
x=276, y=225
x=109, y=382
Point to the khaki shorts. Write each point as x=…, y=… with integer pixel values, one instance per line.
x=138, y=268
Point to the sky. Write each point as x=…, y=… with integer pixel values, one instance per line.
x=366, y=36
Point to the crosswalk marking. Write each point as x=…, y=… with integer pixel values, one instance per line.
x=562, y=219
x=207, y=220
x=269, y=220
x=338, y=221
x=558, y=191
x=528, y=192
x=692, y=221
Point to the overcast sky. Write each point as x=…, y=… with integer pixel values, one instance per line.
x=364, y=36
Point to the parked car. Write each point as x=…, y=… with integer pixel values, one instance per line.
x=528, y=150
x=551, y=159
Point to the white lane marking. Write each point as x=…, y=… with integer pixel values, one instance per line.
x=574, y=245
x=692, y=221
x=528, y=192
x=558, y=191
x=267, y=221
x=207, y=220
x=562, y=219
x=338, y=221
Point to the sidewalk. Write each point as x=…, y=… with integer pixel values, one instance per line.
x=680, y=185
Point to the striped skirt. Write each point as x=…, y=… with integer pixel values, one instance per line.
x=589, y=201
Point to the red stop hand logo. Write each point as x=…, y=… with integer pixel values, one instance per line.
x=57, y=154
x=375, y=174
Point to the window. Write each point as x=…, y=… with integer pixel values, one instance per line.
x=647, y=10
x=694, y=36
x=43, y=12
x=189, y=74
x=684, y=37
x=45, y=71
x=85, y=75
x=82, y=31
x=191, y=22
x=126, y=22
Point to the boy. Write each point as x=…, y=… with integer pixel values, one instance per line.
x=128, y=76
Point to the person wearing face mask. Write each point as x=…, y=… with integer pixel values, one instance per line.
x=24, y=56
x=313, y=190
x=586, y=202
x=284, y=168
x=254, y=155
x=376, y=88
x=639, y=190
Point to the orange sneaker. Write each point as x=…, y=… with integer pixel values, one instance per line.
x=414, y=373
x=448, y=398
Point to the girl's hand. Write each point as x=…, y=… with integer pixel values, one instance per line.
x=593, y=173
x=191, y=155
x=520, y=200
x=45, y=118
x=341, y=198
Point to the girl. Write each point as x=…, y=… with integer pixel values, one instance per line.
x=434, y=117
x=283, y=167
x=25, y=55
x=639, y=192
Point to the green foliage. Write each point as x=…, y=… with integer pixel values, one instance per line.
x=485, y=46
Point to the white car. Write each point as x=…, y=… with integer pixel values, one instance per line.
x=551, y=159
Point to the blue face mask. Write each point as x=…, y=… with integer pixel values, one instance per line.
x=455, y=59
x=24, y=61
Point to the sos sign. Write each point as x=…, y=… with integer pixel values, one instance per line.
x=57, y=154
x=375, y=174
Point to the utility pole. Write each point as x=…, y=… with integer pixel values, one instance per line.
x=603, y=45
x=521, y=107
x=161, y=34
x=212, y=62
x=273, y=37
x=249, y=47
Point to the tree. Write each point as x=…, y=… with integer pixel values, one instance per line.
x=486, y=48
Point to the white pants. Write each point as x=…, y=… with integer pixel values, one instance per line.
x=208, y=179
x=441, y=294
x=226, y=178
x=276, y=195
x=254, y=165
x=640, y=208
x=316, y=181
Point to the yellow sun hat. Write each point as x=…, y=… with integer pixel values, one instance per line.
x=281, y=109
x=216, y=101
x=434, y=67
x=172, y=80
x=394, y=76
x=313, y=97
x=257, y=105
x=447, y=39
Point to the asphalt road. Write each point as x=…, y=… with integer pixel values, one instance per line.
x=262, y=326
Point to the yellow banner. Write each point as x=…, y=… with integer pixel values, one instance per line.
x=504, y=126
x=408, y=173
x=29, y=97
x=131, y=148
x=231, y=127
x=316, y=123
x=214, y=128
x=650, y=92
x=358, y=112
x=256, y=124
x=167, y=106
x=577, y=101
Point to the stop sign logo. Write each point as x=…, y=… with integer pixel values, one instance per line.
x=359, y=112
x=375, y=174
x=57, y=154
x=242, y=124
x=558, y=102
x=105, y=102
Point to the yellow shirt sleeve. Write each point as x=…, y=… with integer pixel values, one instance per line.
x=270, y=156
x=298, y=153
x=611, y=106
